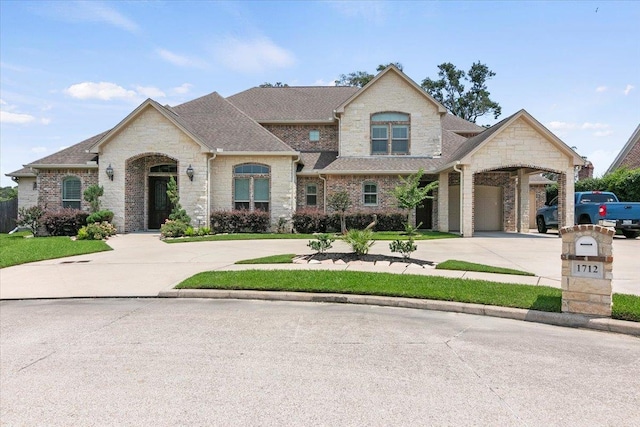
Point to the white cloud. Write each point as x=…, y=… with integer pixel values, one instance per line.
x=150, y=92
x=253, y=56
x=594, y=126
x=322, y=82
x=38, y=150
x=182, y=89
x=601, y=89
x=45, y=121
x=179, y=60
x=628, y=89
x=104, y=91
x=15, y=118
x=604, y=133
x=562, y=126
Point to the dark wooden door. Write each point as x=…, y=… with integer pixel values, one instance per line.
x=424, y=213
x=159, y=206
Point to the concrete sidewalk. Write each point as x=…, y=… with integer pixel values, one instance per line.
x=142, y=265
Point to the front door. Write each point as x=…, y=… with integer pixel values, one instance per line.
x=159, y=206
x=424, y=212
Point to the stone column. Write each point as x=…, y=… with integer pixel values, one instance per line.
x=466, y=202
x=443, y=202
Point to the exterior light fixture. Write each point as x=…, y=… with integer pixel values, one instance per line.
x=109, y=172
x=190, y=172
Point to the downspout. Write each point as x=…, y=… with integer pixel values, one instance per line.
x=324, y=193
x=335, y=116
x=208, y=210
x=455, y=168
x=294, y=183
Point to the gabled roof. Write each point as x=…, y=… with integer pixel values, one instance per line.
x=460, y=126
x=387, y=165
x=632, y=142
x=392, y=69
x=222, y=126
x=470, y=146
x=301, y=104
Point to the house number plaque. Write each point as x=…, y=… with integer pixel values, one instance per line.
x=594, y=270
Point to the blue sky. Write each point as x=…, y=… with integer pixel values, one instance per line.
x=70, y=70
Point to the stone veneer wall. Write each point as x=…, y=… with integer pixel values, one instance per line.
x=50, y=186
x=390, y=94
x=297, y=136
x=27, y=195
x=585, y=295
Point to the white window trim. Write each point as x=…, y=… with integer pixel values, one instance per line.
x=364, y=193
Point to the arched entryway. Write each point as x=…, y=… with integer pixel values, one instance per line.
x=146, y=202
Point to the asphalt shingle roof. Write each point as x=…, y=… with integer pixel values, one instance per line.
x=74, y=155
x=292, y=104
x=386, y=164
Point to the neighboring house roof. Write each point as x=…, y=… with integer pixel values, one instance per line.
x=470, y=146
x=622, y=155
x=539, y=179
x=392, y=69
x=313, y=161
x=302, y=104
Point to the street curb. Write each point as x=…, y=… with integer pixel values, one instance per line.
x=557, y=319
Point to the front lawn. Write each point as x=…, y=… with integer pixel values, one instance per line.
x=454, y=264
x=18, y=249
x=542, y=298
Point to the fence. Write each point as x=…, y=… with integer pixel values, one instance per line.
x=8, y=215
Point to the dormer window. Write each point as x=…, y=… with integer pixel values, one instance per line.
x=390, y=133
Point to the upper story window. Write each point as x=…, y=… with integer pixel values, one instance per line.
x=314, y=135
x=251, y=187
x=71, y=192
x=390, y=133
x=164, y=169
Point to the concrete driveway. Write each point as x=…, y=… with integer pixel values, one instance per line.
x=142, y=265
x=167, y=362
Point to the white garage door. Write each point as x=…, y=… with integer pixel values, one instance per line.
x=488, y=208
x=454, y=208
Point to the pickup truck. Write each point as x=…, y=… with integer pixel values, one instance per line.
x=595, y=207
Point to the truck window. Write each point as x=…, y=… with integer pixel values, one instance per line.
x=597, y=198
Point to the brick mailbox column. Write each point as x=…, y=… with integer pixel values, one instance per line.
x=587, y=265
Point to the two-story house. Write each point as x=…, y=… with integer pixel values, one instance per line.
x=284, y=148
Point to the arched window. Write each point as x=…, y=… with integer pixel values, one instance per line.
x=71, y=192
x=251, y=184
x=390, y=133
x=164, y=169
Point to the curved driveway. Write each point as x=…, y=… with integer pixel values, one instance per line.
x=142, y=265
x=209, y=362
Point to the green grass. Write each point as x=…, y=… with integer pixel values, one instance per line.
x=380, y=235
x=16, y=249
x=412, y=286
x=454, y=264
x=626, y=307
x=273, y=259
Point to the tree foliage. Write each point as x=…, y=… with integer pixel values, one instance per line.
x=625, y=183
x=361, y=78
x=410, y=195
x=276, y=84
x=177, y=212
x=449, y=90
x=8, y=193
x=92, y=195
x=340, y=202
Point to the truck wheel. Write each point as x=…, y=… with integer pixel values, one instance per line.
x=542, y=227
x=630, y=234
x=584, y=219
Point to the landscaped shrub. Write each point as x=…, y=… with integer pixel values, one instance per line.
x=307, y=221
x=386, y=221
x=30, y=218
x=203, y=231
x=390, y=221
x=96, y=231
x=100, y=216
x=360, y=241
x=172, y=228
x=65, y=222
x=240, y=221
x=92, y=195
x=322, y=243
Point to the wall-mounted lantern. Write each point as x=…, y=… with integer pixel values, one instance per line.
x=109, y=172
x=190, y=172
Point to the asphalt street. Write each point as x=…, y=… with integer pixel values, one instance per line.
x=206, y=362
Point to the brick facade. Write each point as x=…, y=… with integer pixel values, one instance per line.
x=297, y=136
x=50, y=186
x=301, y=192
x=632, y=159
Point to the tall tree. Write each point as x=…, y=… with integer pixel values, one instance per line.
x=361, y=78
x=450, y=91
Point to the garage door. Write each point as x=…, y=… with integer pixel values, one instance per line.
x=454, y=208
x=488, y=208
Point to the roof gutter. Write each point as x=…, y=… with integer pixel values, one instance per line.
x=63, y=166
x=221, y=152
